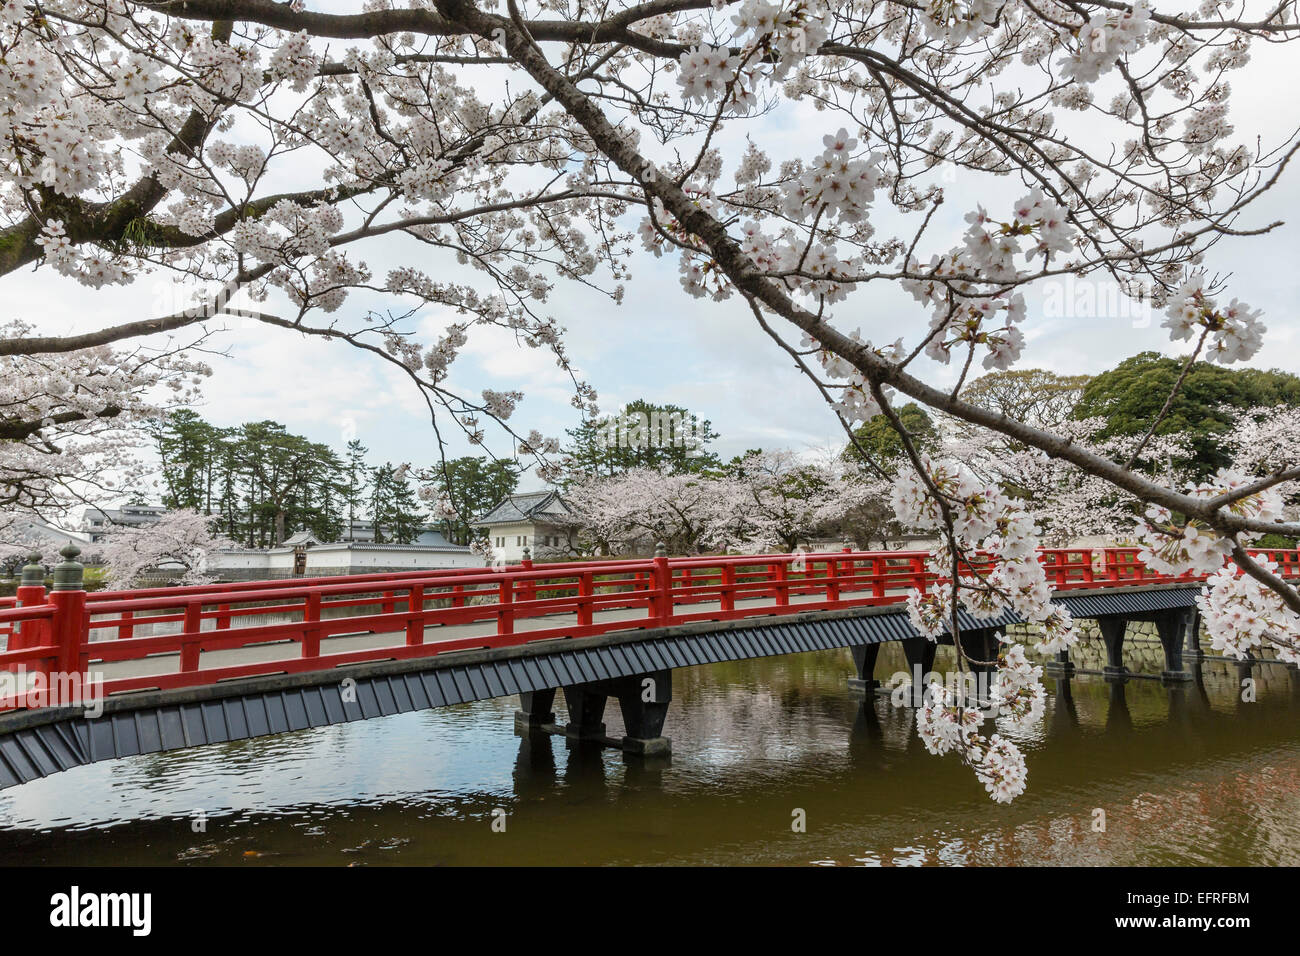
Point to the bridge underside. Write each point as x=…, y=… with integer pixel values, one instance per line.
x=618, y=664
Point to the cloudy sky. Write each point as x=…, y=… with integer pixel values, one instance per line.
x=664, y=345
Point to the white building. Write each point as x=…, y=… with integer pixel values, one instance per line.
x=533, y=521
x=96, y=522
x=302, y=555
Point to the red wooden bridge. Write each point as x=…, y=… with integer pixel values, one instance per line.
x=464, y=634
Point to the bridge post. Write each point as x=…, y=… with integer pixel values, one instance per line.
x=1112, y=633
x=30, y=593
x=1170, y=627
x=864, y=659
x=69, y=600
x=536, y=709
x=644, y=701
x=586, y=712
x=1193, y=644
x=980, y=647
x=529, y=588
x=919, y=652
x=1062, y=665
x=663, y=585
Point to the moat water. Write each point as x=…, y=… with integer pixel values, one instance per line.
x=1185, y=775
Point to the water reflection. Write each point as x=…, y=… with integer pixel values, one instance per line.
x=1187, y=774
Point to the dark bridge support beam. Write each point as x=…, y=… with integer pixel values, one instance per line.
x=919, y=652
x=1193, y=643
x=1171, y=628
x=981, y=649
x=1062, y=666
x=1112, y=633
x=864, y=659
x=536, y=710
x=643, y=700
x=586, y=712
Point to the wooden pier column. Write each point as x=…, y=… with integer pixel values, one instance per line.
x=586, y=712
x=864, y=659
x=536, y=709
x=644, y=701
x=1112, y=633
x=1171, y=628
x=1192, y=647
x=919, y=652
x=1062, y=666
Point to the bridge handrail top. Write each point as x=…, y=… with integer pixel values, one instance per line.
x=253, y=591
x=28, y=613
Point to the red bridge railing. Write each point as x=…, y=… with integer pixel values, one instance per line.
x=68, y=632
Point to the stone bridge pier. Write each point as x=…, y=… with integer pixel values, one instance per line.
x=979, y=645
x=643, y=700
x=1172, y=627
x=1177, y=629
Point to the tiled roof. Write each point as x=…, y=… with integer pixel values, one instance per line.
x=525, y=507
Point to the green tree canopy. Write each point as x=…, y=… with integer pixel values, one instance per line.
x=473, y=485
x=666, y=438
x=877, y=436
x=1033, y=395
x=260, y=478
x=1130, y=396
x=394, y=506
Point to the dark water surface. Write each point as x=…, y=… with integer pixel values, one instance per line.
x=1186, y=775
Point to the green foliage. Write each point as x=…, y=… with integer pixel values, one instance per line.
x=1032, y=395
x=667, y=438
x=1130, y=396
x=355, y=482
x=474, y=485
x=883, y=444
x=393, y=506
x=263, y=481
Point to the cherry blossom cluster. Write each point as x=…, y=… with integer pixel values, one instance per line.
x=1191, y=547
x=441, y=506
x=501, y=405
x=946, y=723
x=1241, y=615
x=776, y=37
x=95, y=269
x=178, y=544
x=1064, y=501
x=1098, y=45
x=988, y=527
x=1234, y=332
x=707, y=74
x=965, y=312
x=74, y=420
x=765, y=502
x=1017, y=694
x=295, y=60
x=835, y=183
x=956, y=21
